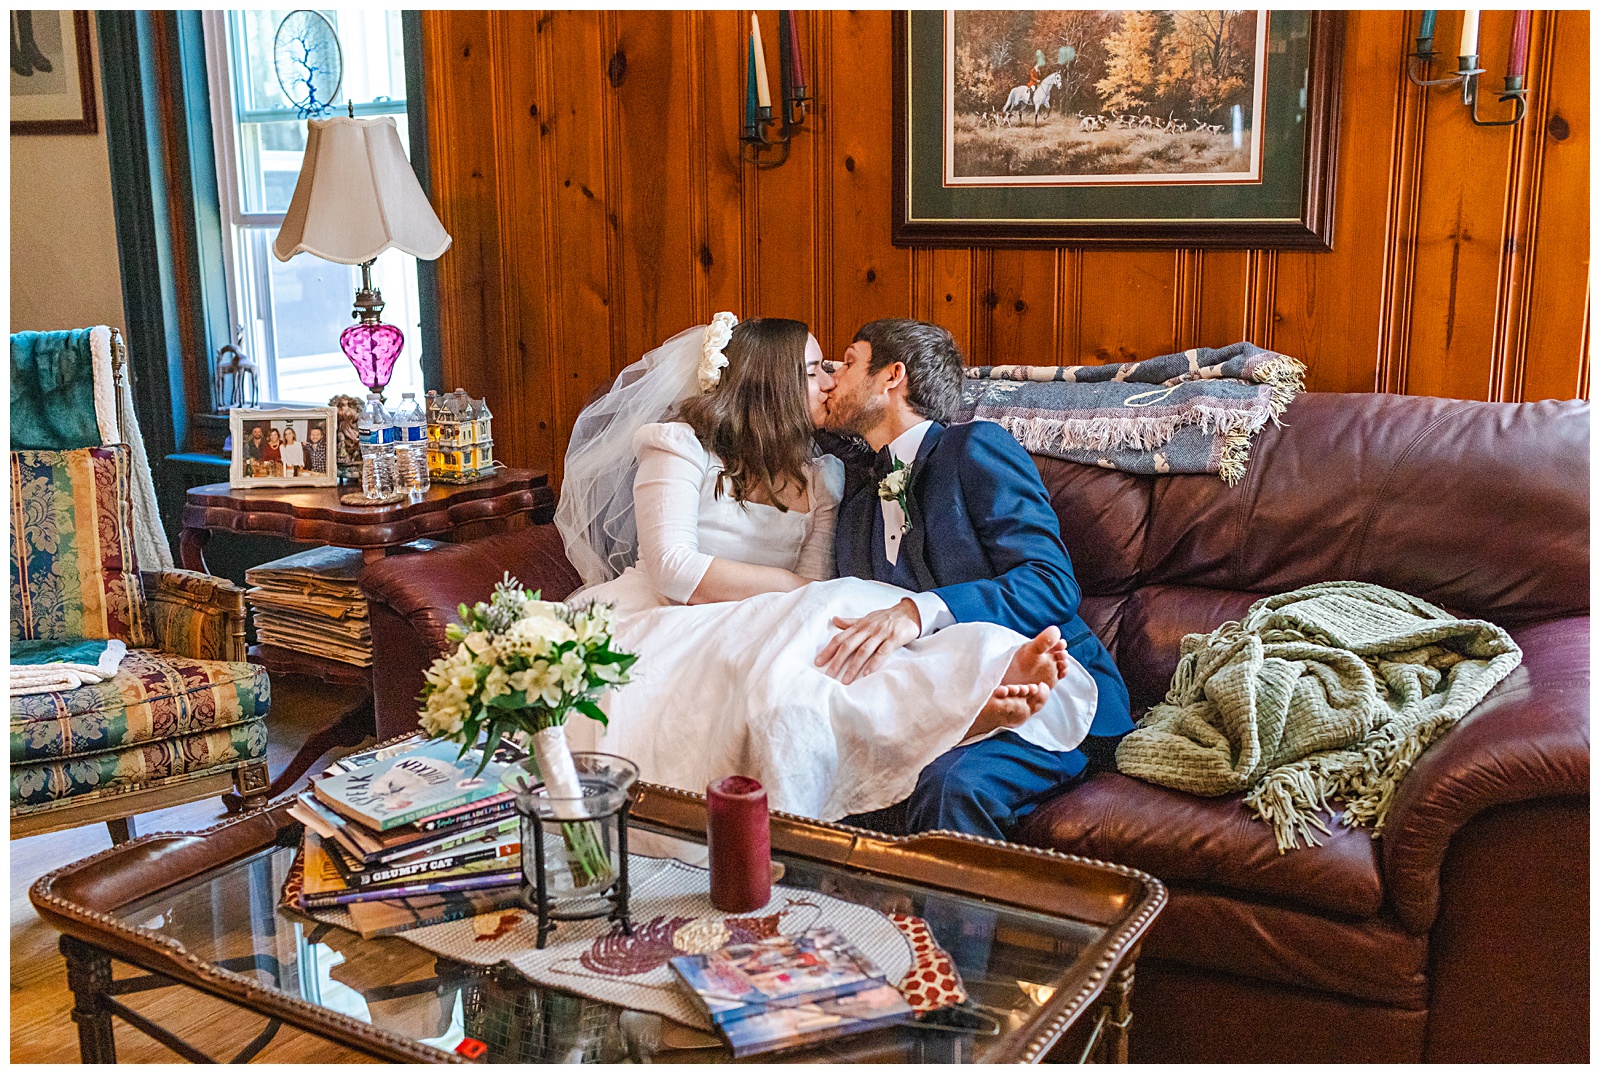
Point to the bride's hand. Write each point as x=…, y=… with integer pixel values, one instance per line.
x=862, y=645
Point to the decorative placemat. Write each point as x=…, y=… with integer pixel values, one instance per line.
x=672, y=915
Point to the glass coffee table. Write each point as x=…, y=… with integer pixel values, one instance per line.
x=1045, y=944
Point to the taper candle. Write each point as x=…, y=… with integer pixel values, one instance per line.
x=1469, y=34
x=1517, y=65
x=763, y=93
x=799, y=62
x=750, y=124
x=739, y=838
x=1425, y=31
x=785, y=64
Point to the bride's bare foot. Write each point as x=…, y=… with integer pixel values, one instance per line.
x=1009, y=706
x=1043, y=659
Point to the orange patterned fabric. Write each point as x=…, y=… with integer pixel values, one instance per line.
x=932, y=982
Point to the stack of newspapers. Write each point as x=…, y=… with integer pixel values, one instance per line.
x=309, y=602
x=409, y=835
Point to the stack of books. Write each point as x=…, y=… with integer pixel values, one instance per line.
x=409, y=835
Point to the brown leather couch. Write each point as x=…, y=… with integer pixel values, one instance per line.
x=1462, y=934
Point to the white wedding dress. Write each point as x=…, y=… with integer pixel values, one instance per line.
x=732, y=688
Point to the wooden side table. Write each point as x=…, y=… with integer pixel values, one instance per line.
x=508, y=499
x=315, y=515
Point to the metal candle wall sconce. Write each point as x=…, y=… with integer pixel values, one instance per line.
x=792, y=93
x=1467, y=72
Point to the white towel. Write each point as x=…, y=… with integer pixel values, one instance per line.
x=60, y=676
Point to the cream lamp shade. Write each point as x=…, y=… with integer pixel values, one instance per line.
x=357, y=197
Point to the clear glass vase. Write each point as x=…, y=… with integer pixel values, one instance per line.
x=581, y=839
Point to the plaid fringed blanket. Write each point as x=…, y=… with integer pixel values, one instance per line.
x=1188, y=413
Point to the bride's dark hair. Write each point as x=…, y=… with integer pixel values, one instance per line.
x=757, y=418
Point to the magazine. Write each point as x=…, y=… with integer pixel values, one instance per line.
x=398, y=844
x=409, y=786
x=359, y=874
x=785, y=991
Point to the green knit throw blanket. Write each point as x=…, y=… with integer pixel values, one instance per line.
x=1329, y=692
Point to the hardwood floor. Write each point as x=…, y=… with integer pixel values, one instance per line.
x=42, y=1030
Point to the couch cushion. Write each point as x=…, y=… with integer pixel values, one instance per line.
x=41, y=783
x=1214, y=843
x=1103, y=515
x=1482, y=507
x=73, y=572
x=1152, y=624
x=154, y=695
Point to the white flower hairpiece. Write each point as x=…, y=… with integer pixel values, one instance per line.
x=712, y=360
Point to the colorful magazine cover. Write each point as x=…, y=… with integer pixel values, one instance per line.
x=409, y=786
x=813, y=1022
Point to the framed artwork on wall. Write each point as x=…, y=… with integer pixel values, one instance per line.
x=283, y=446
x=1116, y=128
x=52, y=75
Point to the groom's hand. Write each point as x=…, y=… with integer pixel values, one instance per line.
x=862, y=645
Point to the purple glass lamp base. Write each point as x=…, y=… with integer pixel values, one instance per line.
x=372, y=349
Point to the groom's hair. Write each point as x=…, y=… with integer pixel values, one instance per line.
x=933, y=362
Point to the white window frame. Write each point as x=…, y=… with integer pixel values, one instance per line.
x=252, y=315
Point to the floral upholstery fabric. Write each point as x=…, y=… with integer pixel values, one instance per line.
x=73, y=570
x=153, y=695
x=45, y=782
x=195, y=614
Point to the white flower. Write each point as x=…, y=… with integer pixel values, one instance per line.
x=608, y=673
x=894, y=486
x=495, y=684
x=712, y=360
x=574, y=671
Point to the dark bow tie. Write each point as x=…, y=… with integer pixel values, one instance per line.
x=882, y=463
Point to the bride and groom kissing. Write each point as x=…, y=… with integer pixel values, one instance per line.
x=832, y=588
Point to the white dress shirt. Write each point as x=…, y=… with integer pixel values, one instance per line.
x=935, y=614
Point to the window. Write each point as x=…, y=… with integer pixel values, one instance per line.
x=289, y=314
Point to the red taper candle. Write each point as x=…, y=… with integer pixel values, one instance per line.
x=739, y=837
x=1517, y=65
x=797, y=62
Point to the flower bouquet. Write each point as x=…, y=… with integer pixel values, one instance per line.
x=521, y=666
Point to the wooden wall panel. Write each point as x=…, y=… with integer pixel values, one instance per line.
x=652, y=177
x=1555, y=311
x=871, y=277
x=588, y=166
x=1126, y=305
x=1318, y=316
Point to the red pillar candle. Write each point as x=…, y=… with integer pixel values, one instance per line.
x=740, y=840
x=1517, y=65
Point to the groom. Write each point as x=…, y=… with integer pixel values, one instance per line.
x=975, y=537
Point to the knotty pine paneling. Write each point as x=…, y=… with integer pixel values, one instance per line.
x=587, y=164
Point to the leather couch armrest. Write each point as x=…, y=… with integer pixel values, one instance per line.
x=196, y=615
x=1529, y=739
x=412, y=598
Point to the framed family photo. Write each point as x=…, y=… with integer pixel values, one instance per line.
x=52, y=76
x=1121, y=128
x=285, y=446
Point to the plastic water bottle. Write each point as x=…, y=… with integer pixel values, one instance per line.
x=411, y=444
x=377, y=449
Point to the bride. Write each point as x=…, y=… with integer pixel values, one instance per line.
x=694, y=500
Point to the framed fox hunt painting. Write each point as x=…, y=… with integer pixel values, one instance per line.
x=1118, y=128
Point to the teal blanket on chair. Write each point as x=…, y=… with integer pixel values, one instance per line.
x=52, y=391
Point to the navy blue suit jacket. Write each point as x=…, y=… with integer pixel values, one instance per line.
x=984, y=538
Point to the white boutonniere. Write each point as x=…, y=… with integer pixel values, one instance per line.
x=897, y=487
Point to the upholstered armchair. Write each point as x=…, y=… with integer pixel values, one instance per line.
x=183, y=717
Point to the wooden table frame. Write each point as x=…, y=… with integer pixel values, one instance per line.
x=79, y=901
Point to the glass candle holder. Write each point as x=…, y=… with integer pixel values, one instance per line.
x=575, y=850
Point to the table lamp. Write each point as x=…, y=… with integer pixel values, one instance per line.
x=357, y=197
